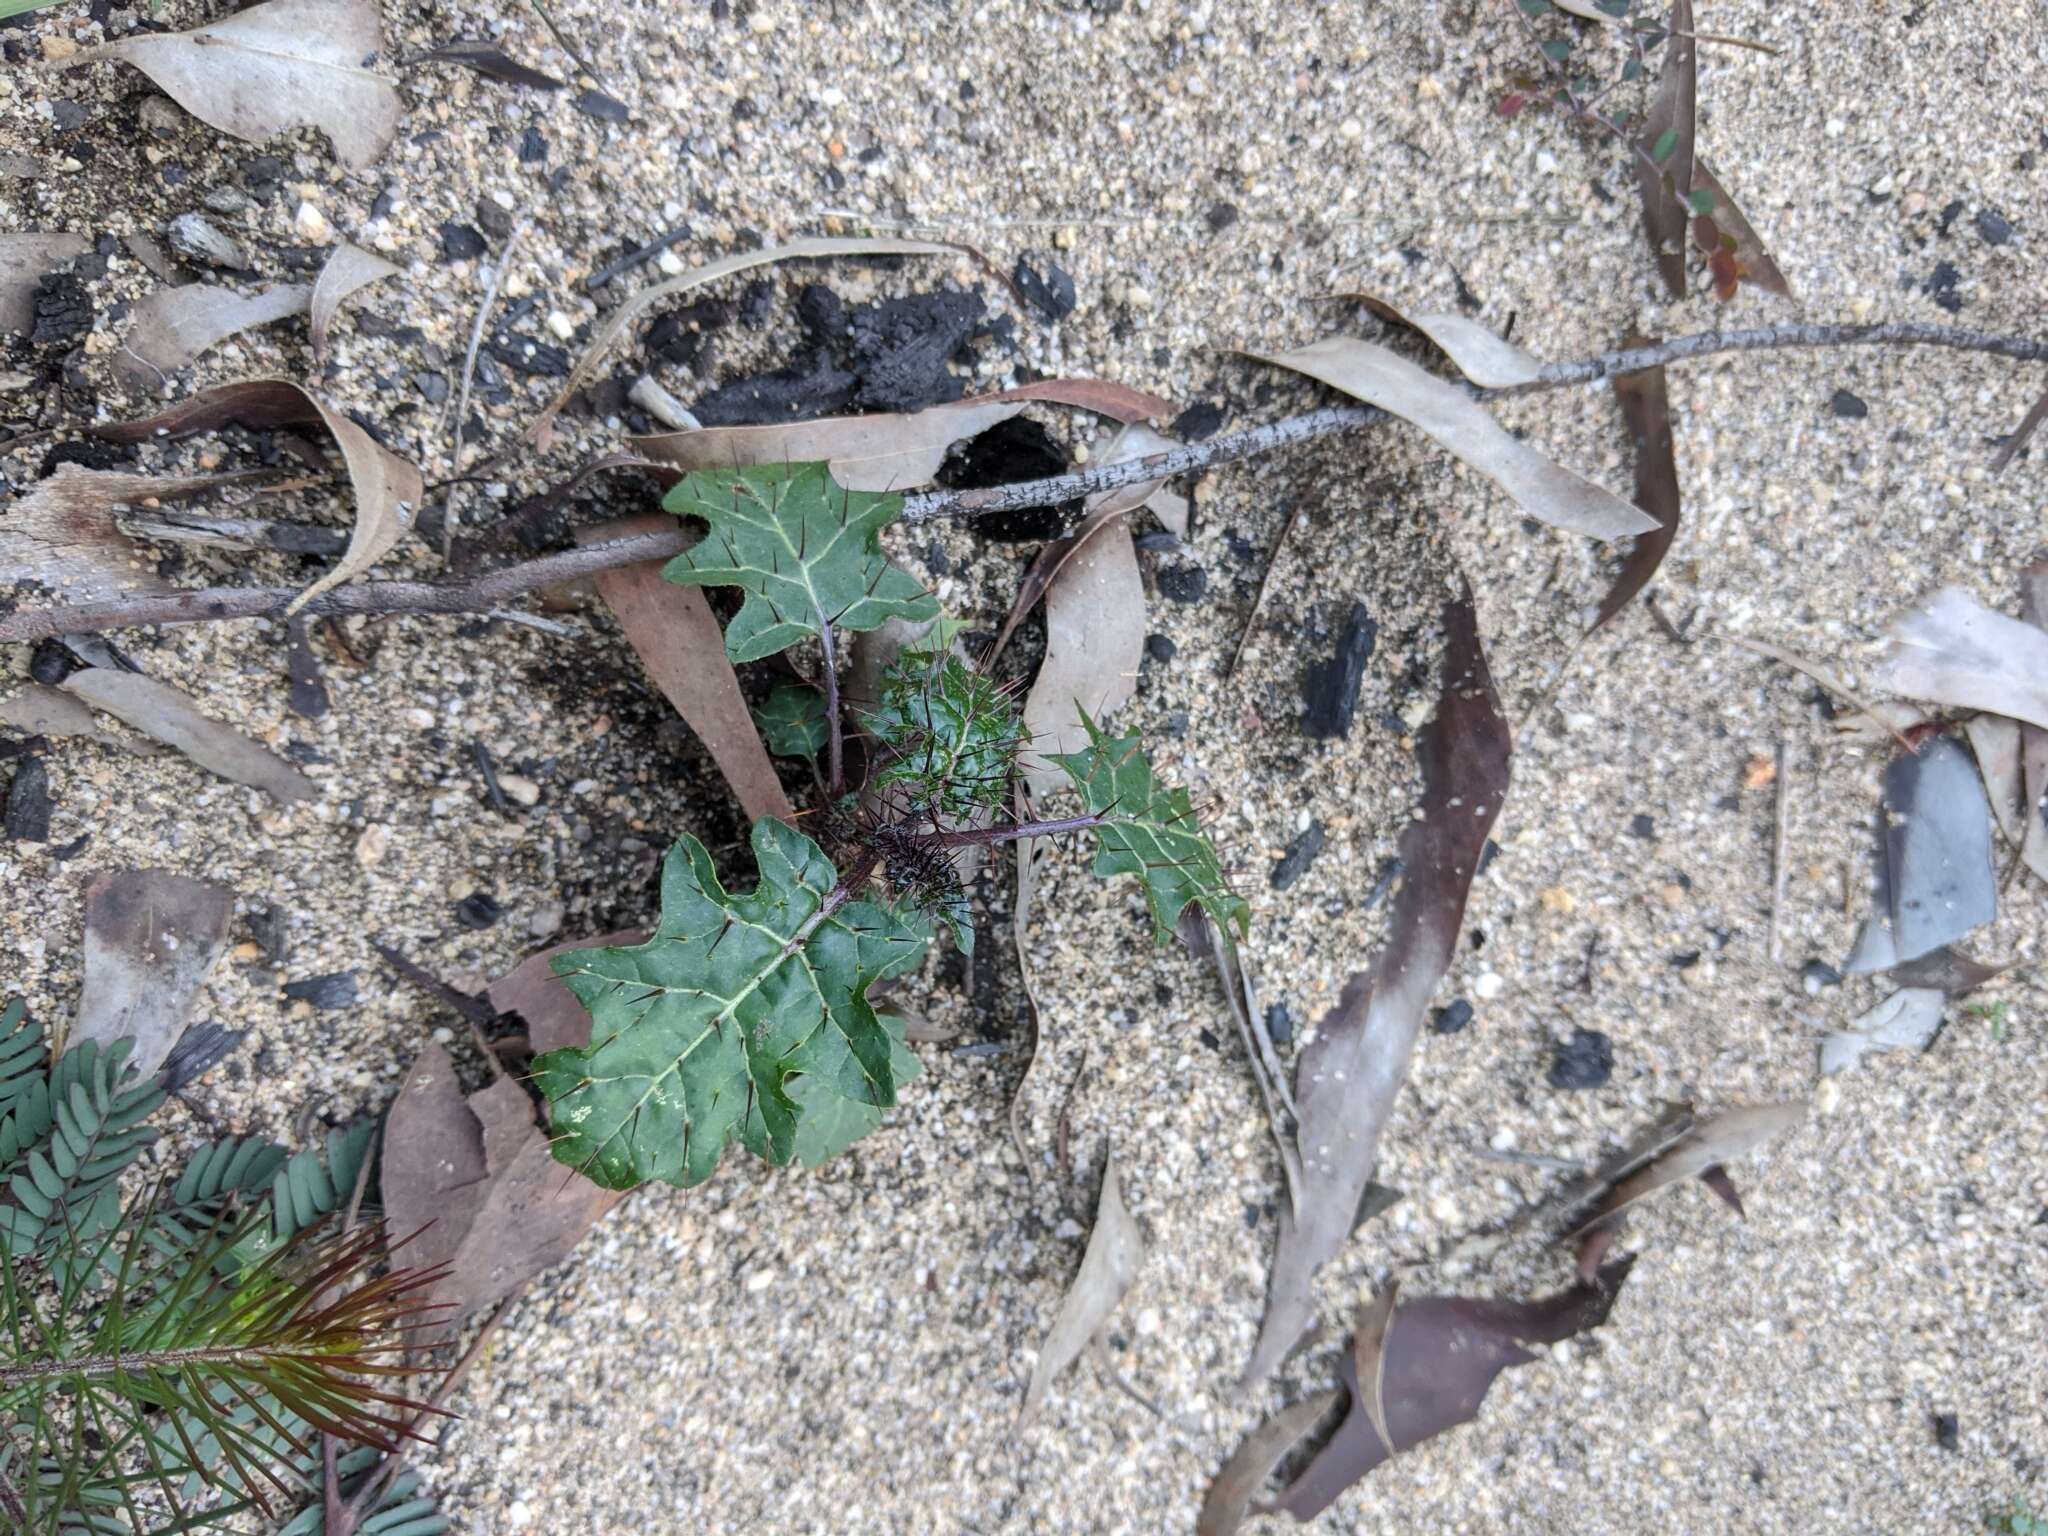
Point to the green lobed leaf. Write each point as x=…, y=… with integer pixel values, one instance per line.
x=792, y=721
x=708, y=1031
x=952, y=734
x=804, y=549
x=1150, y=832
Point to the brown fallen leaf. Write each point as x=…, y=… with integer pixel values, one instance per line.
x=1753, y=263
x=493, y=64
x=1094, y=643
x=1946, y=970
x=1995, y=742
x=473, y=1178
x=1038, y=576
x=1351, y=1073
x=349, y=269
x=676, y=636
x=554, y=1019
x=1664, y=180
x=1483, y=357
x=44, y=711
x=541, y=429
x=1545, y=490
x=63, y=534
x=2033, y=738
x=890, y=451
x=1646, y=409
x=151, y=937
x=1138, y=441
x=274, y=67
x=388, y=489
x=25, y=260
x=1369, y=1360
x=1711, y=1143
x=1230, y=1497
x=174, y=326
x=1030, y=853
x=1950, y=649
x=1442, y=1356
x=164, y=714
x=1115, y=1252
x=1201, y=937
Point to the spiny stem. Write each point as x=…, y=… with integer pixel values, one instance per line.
x=983, y=836
x=836, y=777
x=497, y=587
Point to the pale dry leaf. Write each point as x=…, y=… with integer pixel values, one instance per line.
x=541, y=429
x=1712, y=1143
x=1230, y=1497
x=1646, y=410
x=349, y=269
x=277, y=66
x=45, y=711
x=1030, y=853
x=173, y=327
x=890, y=451
x=1115, y=1252
x=676, y=636
x=1545, y=490
x=1483, y=357
x=151, y=937
x=1909, y=1019
x=1950, y=649
x=1138, y=441
x=63, y=533
x=388, y=489
x=1094, y=643
x=164, y=714
x=25, y=260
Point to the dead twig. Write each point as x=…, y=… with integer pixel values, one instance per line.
x=496, y=587
x=1265, y=585
x=476, y=341
x=1780, y=866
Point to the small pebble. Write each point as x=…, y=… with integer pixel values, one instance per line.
x=1584, y=1061
x=195, y=238
x=1450, y=1018
x=1993, y=227
x=1848, y=406
x=478, y=910
x=312, y=225
x=462, y=242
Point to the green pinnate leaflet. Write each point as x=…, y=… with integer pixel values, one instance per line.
x=1150, y=832
x=741, y=1018
x=805, y=550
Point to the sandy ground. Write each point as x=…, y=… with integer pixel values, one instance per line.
x=846, y=1350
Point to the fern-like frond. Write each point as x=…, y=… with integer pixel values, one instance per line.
x=65, y=1146
x=22, y=1057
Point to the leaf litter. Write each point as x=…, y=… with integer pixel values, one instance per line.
x=24, y=261
x=1116, y=1250
x=151, y=938
x=1488, y=360
x=347, y=271
x=1936, y=881
x=40, y=710
x=1950, y=649
x=1458, y=424
x=1907, y=1020
x=1646, y=410
x=274, y=67
x=1349, y=1076
x=388, y=489
x=173, y=327
x=1698, y=1149
x=1664, y=179
x=1094, y=644
x=164, y=714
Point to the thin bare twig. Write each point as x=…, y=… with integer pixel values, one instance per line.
x=476, y=341
x=496, y=587
x=1265, y=585
x=1781, y=869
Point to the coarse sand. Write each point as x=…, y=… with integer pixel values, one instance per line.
x=846, y=1350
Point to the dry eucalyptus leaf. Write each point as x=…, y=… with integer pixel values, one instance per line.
x=1369, y=1360
x=434, y=1176
x=889, y=451
x=541, y=429
x=163, y=713
x=1950, y=649
x=1351, y=1073
x=1646, y=409
x=1545, y=490
x=1484, y=358
x=1995, y=743
x=24, y=261
x=1030, y=853
x=43, y=711
x=1936, y=880
x=676, y=637
x=1094, y=643
x=63, y=534
x=174, y=326
x=1442, y=1356
x=1138, y=441
x=350, y=268
x=1712, y=1143
x=1946, y=970
x=1230, y=1497
x=1665, y=180
x=554, y=1019
x=1753, y=264
x=493, y=64
x=278, y=66
x=1115, y=1251
x=1909, y=1019
x=388, y=489
x=151, y=937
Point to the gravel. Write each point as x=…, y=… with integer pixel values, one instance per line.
x=846, y=1349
